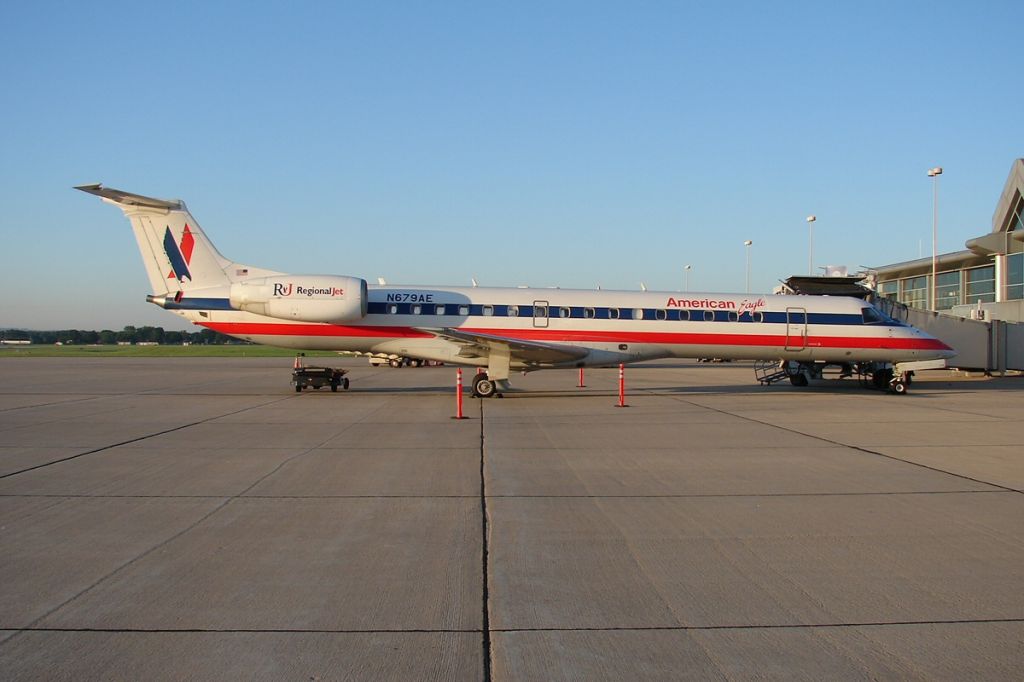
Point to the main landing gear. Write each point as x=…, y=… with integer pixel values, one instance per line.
x=485, y=387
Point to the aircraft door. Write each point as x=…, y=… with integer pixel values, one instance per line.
x=796, y=328
x=541, y=313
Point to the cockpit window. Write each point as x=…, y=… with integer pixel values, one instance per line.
x=871, y=316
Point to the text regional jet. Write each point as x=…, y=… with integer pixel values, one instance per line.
x=513, y=329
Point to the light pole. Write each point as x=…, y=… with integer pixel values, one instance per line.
x=686, y=277
x=748, y=244
x=934, y=174
x=810, y=244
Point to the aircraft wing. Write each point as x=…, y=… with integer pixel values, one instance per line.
x=476, y=344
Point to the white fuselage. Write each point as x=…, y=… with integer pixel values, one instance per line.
x=615, y=326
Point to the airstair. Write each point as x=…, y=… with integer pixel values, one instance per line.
x=768, y=372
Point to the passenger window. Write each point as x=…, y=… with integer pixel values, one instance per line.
x=463, y=310
x=564, y=312
x=440, y=309
x=684, y=315
x=661, y=314
x=488, y=310
x=513, y=311
x=709, y=316
x=392, y=308
x=733, y=316
x=613, y=313
x=638, y=313
x=540, y=311
x=417, y=309
x=589, y=313
x=757, y=317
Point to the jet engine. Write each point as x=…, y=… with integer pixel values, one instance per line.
x=303, y=298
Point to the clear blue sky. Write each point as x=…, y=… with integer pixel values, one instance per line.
x=563, y=143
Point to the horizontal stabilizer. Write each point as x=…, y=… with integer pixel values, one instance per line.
x=128, y=199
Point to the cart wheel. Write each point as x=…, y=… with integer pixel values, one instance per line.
x=298, y=388
x=334, y=387
x=344, y=383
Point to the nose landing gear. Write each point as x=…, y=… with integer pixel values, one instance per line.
x=890, y=379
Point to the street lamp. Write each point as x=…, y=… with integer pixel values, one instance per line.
x=934, y=174
x=810, y=244
x=686, y=277
x=747, y=244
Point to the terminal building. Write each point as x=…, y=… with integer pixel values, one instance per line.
x=984, y=281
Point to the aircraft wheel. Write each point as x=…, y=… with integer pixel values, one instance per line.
x=395, y=363
x=798, y=379
x=483, y=387
x=298, y=388
x=344, y=383
x=334, y=387
x=899, y=388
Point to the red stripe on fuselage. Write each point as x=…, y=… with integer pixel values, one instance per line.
x=275, y=329
x=568, y=336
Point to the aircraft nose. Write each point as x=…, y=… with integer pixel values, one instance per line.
x=940, y=348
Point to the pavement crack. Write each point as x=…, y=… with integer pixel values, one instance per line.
x=486, y=623
x=858, y=448
x=768, y=626
x=140, y=438
x=226, y=501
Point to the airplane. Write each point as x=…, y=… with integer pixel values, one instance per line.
x=501, y=330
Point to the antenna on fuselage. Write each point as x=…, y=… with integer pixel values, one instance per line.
x=473, y=280
x=643, y=287
x=380, y=281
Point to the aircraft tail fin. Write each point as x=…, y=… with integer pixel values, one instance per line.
x=177, y=254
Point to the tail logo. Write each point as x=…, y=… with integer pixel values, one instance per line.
x=180, y=255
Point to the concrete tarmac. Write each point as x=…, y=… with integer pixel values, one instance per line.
x=174, y=519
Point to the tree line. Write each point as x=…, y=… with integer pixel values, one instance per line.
x=129, y=334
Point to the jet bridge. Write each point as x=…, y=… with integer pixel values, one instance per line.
x=992, y=346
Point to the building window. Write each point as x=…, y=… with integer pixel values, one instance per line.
x=889, y=289
x=1015, y=274
x=981, y=285
x=947, y=290
x=1017, y=216
x=915, y=291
